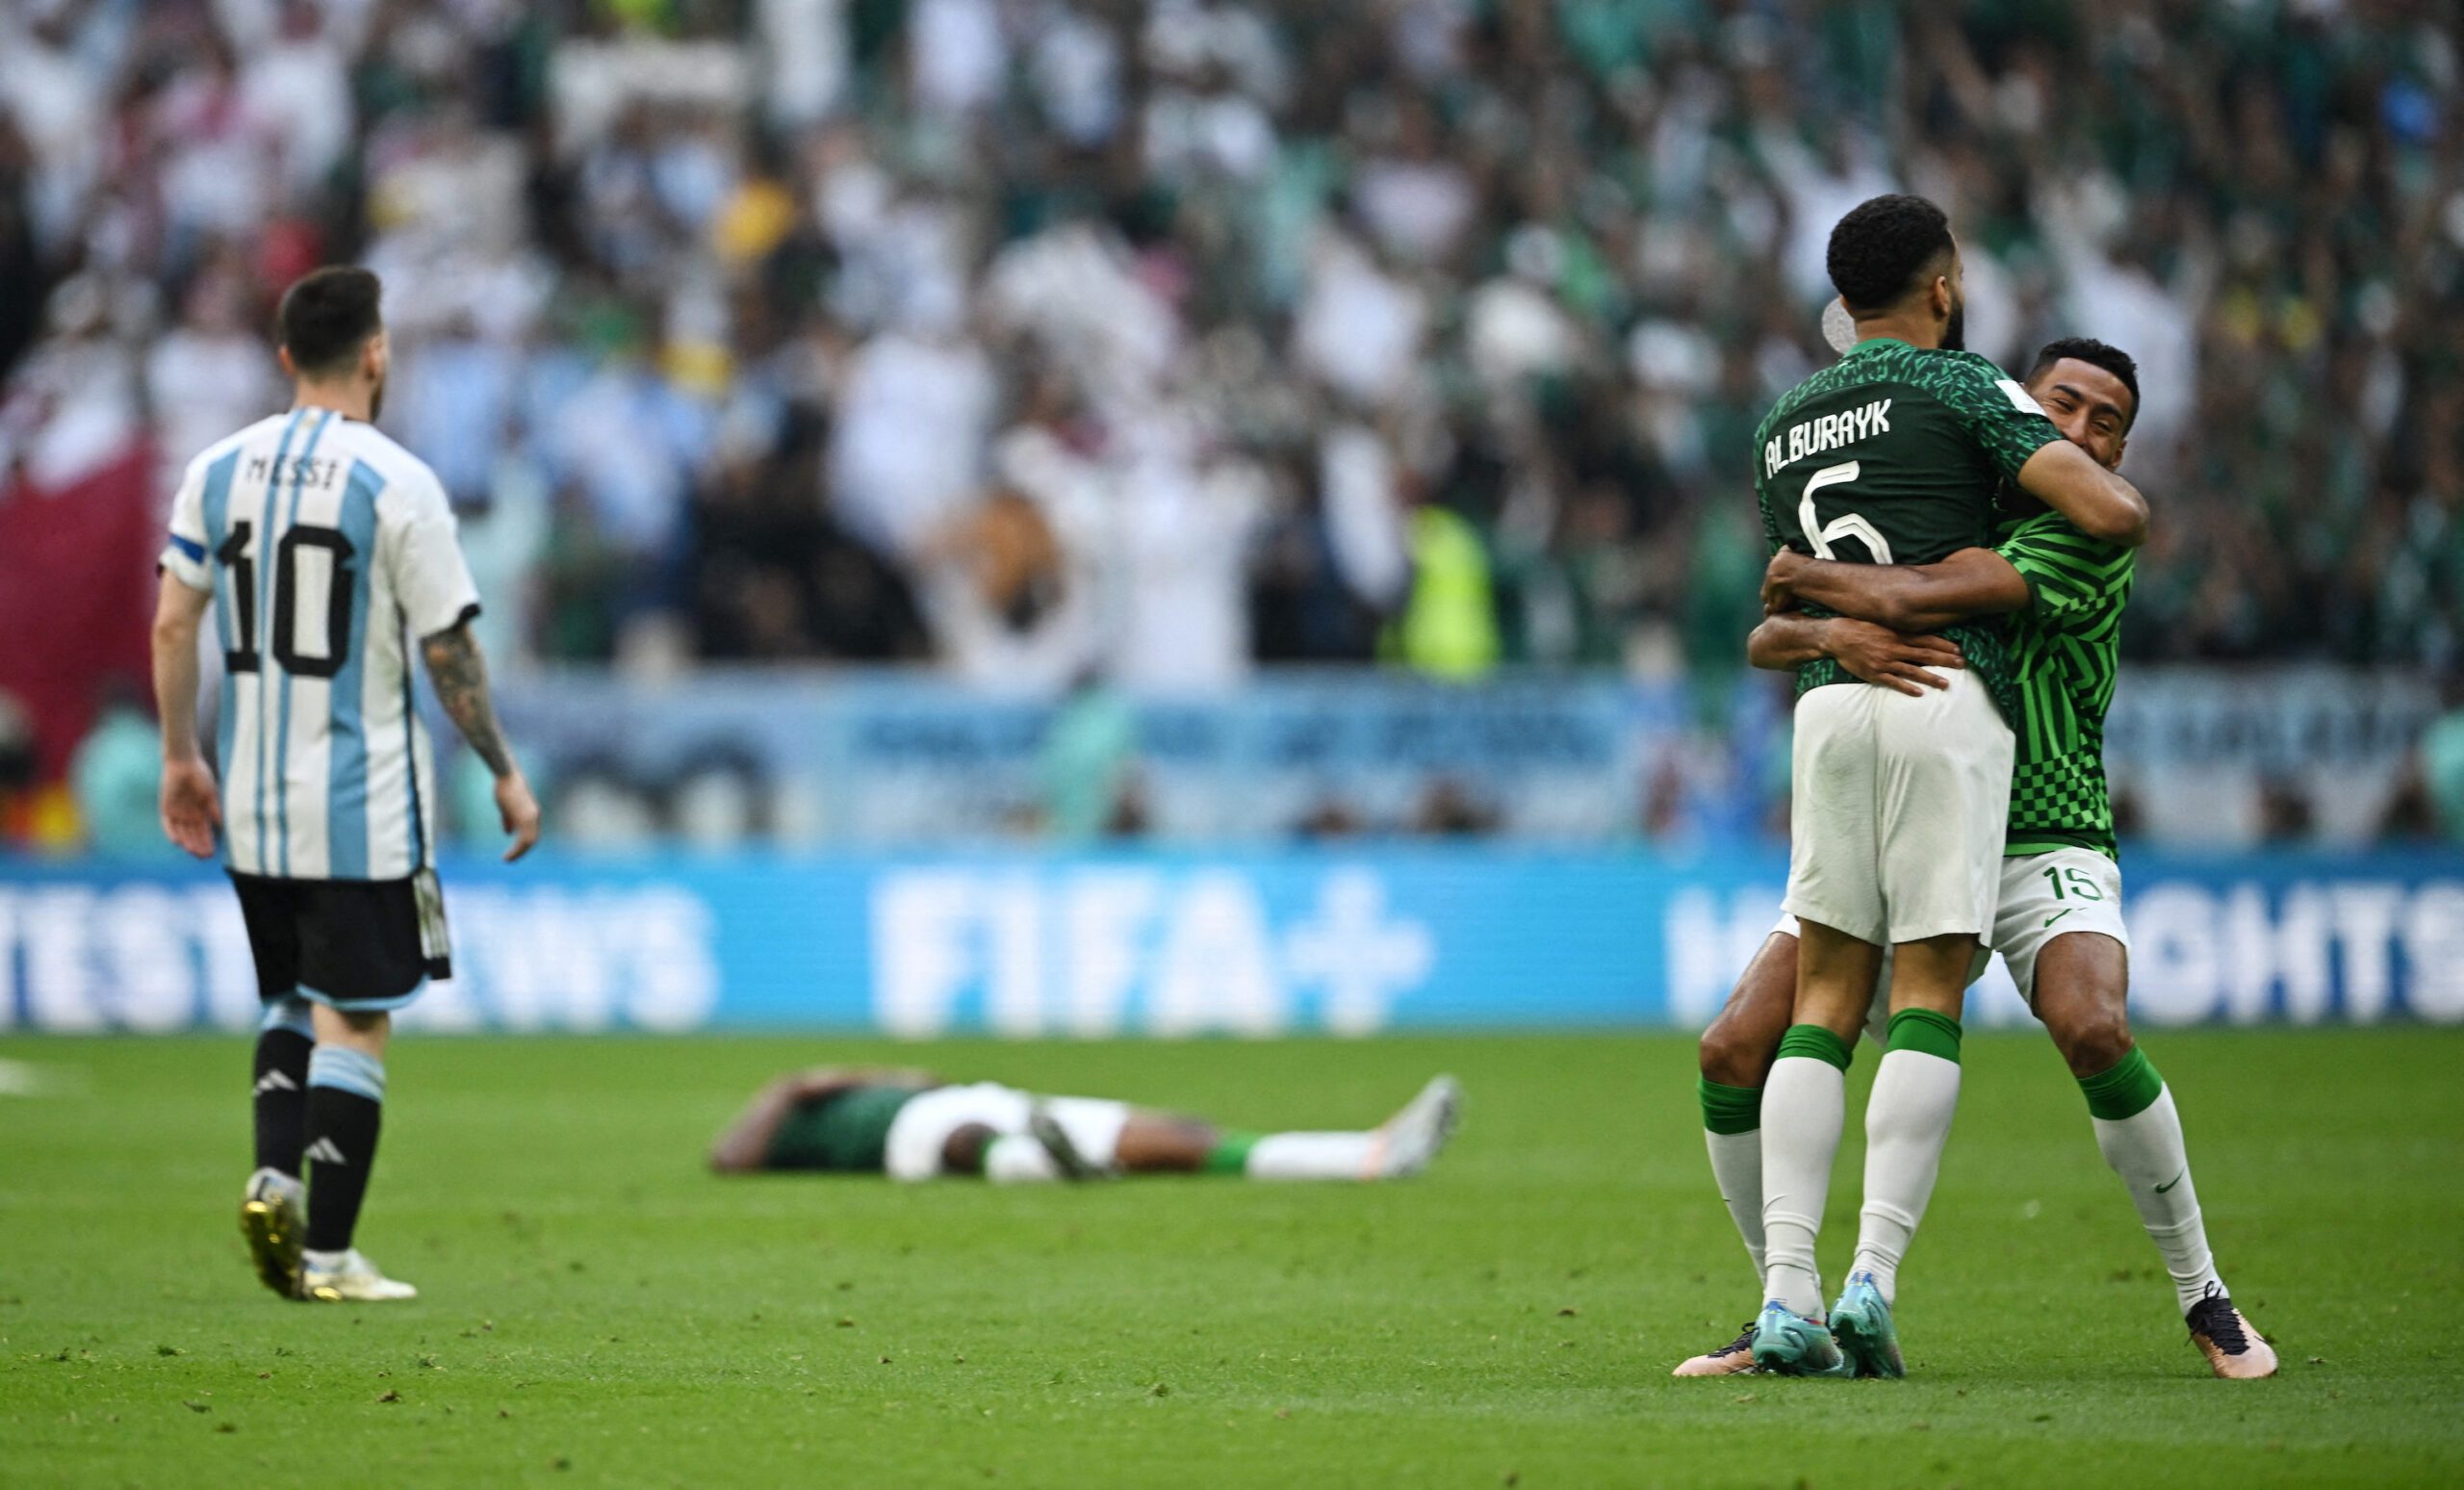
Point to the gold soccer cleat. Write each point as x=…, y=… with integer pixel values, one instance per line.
x=2234, y=1349
x=273, y=1223
x=1733, y=1359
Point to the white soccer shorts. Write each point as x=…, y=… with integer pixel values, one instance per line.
x=2049, y=895
x=2044, y=896
x=922, y=1128
x=1899, y=809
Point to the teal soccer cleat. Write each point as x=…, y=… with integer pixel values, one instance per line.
x=1788, y=1345
x=1861, y=1323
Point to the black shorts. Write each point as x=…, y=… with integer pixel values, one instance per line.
x=364, y=946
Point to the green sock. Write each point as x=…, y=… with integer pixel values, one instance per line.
x=1907, y=1119
x=1733, y=1136
x=2128, y=1089
x=1817, y=1043
x=1922, y=1029
x=1730, y=1109
x=1230, y=1154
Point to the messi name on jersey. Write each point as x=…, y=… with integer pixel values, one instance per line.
x=285, y=470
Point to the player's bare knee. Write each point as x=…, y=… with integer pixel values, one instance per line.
x=2082, y=989
x=2092, y=1035
x=2087, y=1022
x=1738, y=1047
x=1726, y=1055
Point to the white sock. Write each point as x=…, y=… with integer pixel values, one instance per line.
x=1736, y=1165
x=1805, y=1106
x=1019, y=1158
x=275, y=1182
x=1908, y=1119
x=1314, y=1156
x=2146, y=1150
x=324, y=1261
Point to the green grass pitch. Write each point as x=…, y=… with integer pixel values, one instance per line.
x=599, y=1310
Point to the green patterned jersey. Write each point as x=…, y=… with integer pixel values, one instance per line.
x=2066, y=650
x=846, y=1132
x=1893, y=454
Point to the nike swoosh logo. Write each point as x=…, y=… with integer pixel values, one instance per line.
x=2170, y=1184
x=2057, y=915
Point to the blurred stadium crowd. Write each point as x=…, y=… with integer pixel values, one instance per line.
x=1150, y=340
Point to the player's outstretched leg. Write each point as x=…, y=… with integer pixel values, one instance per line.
x=1082, y=1137
x=2139, y=1132
x=1402, y=1146
x=346, y=1102
x=2140, y=1135
x=272, y=1214
x=2081, y=982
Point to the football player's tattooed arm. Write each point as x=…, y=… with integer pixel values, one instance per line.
x=1873, y=654
x=461, y=678
x=460, y=675
x=190, y=806
x=2099, y=502
x=1903, y=597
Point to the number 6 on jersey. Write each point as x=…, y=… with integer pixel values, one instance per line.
x=1848, y=524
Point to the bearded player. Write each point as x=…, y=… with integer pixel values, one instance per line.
x=1892, y=455
x=327, y=551
x=2059, y=922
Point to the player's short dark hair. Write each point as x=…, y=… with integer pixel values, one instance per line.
x=327, y=315
x=2096, y=354
x=1881, y=248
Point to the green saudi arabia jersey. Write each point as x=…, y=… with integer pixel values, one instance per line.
x=1892, y=455
x=846, y=1132
x=2066, y=650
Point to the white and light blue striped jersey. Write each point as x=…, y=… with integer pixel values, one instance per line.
x=330, y=552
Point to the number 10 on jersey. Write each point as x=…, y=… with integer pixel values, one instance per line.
x=293, y=573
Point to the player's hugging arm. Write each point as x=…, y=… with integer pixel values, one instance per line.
x=1903, y=597
x=1871, y=653
x=460, y=674
x=2099, y=502
x=1786, y=641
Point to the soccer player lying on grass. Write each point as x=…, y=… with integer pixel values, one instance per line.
x=911, y=1126
x=2059, y=923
